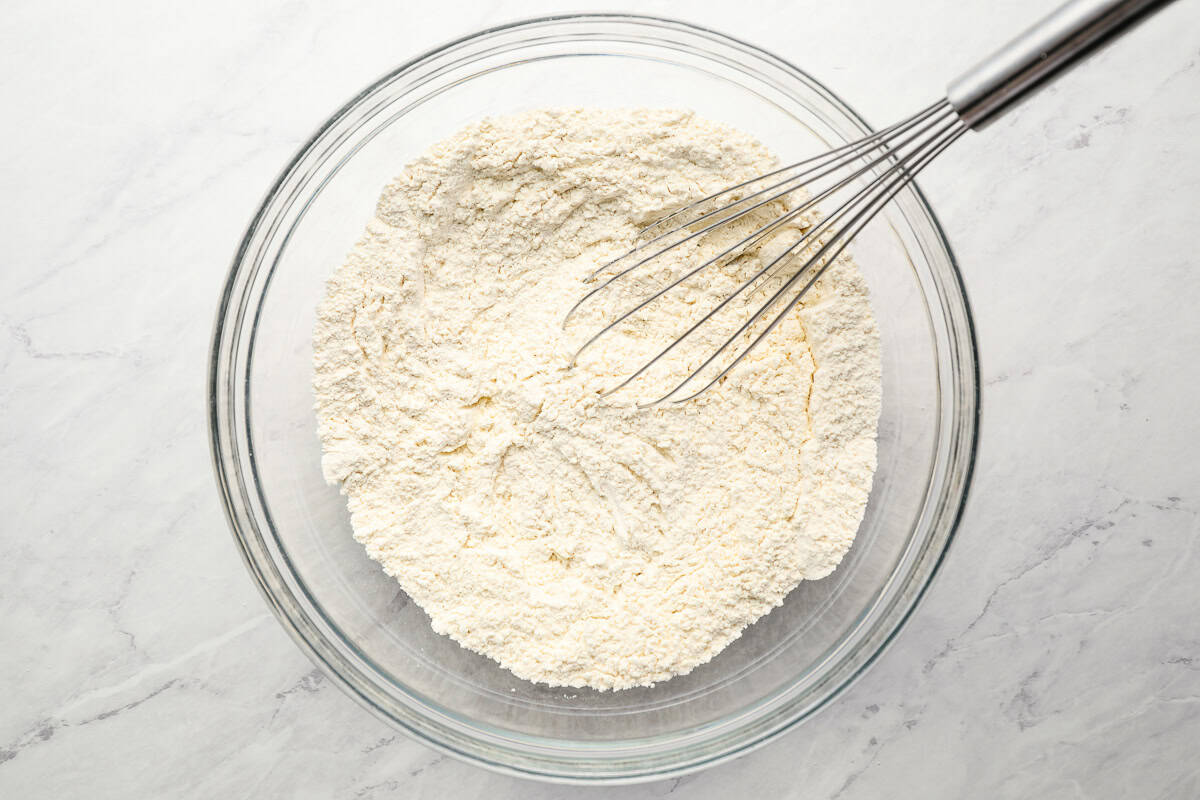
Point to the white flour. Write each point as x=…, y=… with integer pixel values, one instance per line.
x=576, y=541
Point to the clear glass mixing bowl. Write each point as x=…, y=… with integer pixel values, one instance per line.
x=355, y=623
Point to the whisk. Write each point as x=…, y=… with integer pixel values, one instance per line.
x=874, y=169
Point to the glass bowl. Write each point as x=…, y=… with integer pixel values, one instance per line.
x=358, y=626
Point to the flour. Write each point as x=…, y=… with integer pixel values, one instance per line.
x=580, y=541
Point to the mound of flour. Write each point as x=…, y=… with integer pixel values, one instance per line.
x=578, y=541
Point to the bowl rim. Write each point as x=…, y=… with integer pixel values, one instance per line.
x=234, y=495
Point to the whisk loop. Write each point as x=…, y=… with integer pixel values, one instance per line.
x=891, y=158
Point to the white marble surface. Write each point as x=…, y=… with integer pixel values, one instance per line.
x=1057, y=655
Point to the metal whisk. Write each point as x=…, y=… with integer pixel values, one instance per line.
x=875, y=169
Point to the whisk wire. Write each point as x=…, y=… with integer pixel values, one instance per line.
x=834, y=153
x=903, y=174
x=890, y=158
x=840, y=154
x=760, y=233
x=767, y=270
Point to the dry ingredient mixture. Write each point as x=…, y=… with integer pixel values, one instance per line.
x=579, y=541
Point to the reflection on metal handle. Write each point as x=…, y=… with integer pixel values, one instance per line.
x=1051, y=45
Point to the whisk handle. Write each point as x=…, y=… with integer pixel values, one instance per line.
x=1053, y=44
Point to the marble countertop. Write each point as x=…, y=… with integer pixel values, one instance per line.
x=1056, y=655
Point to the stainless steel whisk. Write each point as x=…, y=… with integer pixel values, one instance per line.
x=887, y=161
